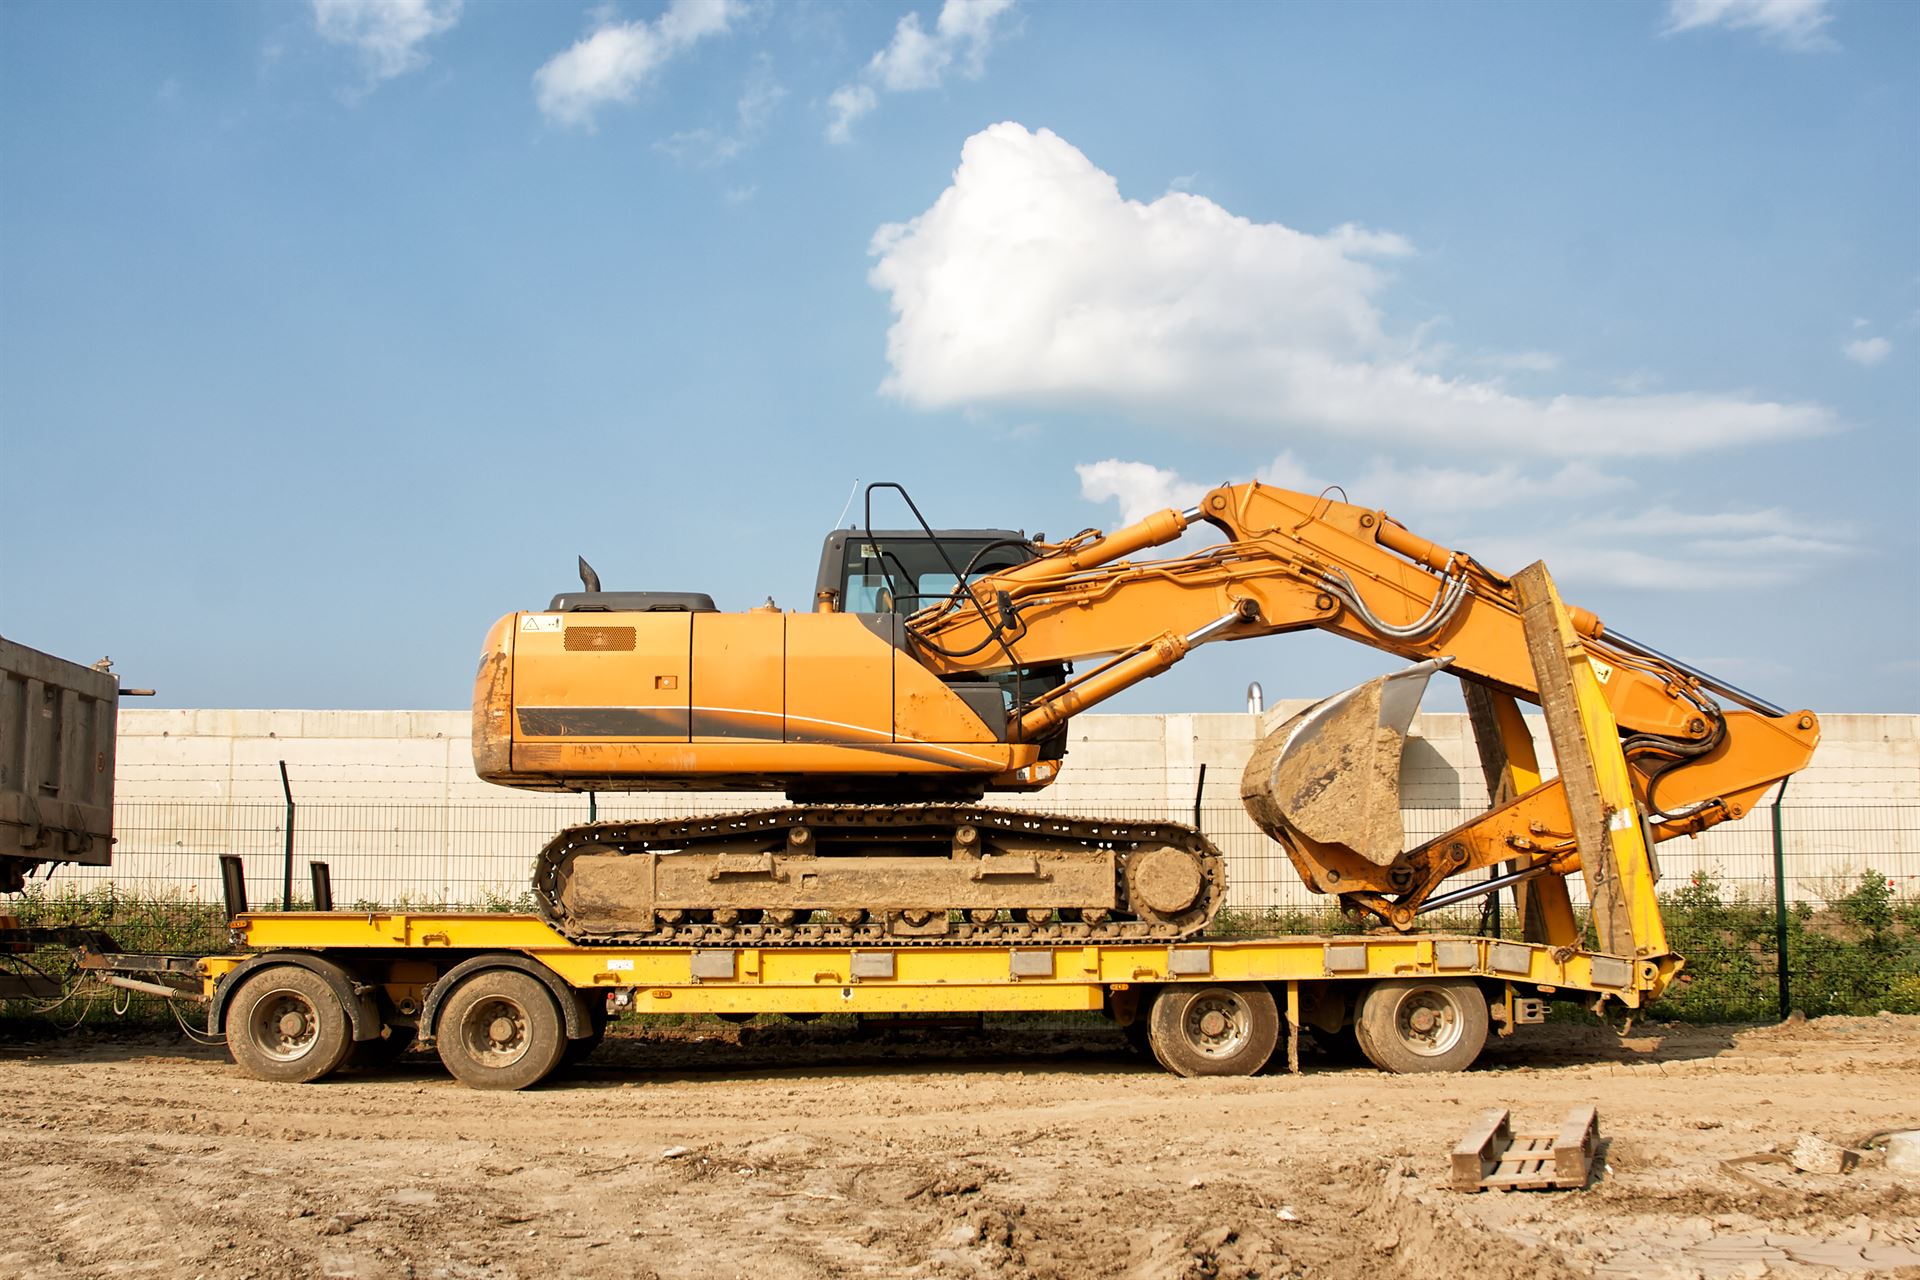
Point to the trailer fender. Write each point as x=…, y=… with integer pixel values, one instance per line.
x=573, y=1010
x=354, y=996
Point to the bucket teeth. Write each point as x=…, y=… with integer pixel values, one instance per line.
x=1331, y=774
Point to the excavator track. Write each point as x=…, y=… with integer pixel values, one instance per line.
x=898, y=875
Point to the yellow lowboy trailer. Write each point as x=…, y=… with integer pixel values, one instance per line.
x=506, y=999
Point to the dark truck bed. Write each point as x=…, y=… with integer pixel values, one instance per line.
x=57, y=722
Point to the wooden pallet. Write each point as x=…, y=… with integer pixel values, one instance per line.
x=1492, y=1156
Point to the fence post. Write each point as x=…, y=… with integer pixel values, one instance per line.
x=286, y=877
x=1781, y=959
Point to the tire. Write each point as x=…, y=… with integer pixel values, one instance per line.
x=1411, y=1025
x=286, y=1024
x=1227, y=1029
x=500, y=1029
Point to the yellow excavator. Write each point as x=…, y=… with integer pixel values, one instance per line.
x=939, y=665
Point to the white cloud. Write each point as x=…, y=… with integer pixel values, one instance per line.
x=1409, y=492
x=1800, y=25
x=1655, y=547
x=963, y=33
x=1867, y=351
x=387, y=33
x=1032, y=282
x=1421, y=490
x=1661, y=548
x=848, y=103
x=1520, y=361
x=1766, y=530
x=613, y=62
x=918, y=59
x=755, y=107
x=1139, y=488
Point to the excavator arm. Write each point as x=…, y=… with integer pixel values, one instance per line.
x=1324, y=784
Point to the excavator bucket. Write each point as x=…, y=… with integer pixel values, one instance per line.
x=1332, y=773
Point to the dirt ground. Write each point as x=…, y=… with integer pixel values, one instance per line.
x=1021, y=1150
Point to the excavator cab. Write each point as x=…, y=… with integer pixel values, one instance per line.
x=902, y=571
x=905, y=570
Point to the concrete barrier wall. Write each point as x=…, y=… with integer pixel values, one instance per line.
x=389, y=800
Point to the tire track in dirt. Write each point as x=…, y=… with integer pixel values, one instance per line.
x=1021, y=1152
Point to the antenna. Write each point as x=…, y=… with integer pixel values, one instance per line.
x=849, y=504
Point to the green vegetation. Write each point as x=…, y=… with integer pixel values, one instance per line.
x=174, y=922
x=1269, y=922
x=1859, y=954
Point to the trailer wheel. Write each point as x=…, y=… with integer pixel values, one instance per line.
x=286, y=1024
x=500, y=1029
x=1229, y=1029
x=1422, y=1024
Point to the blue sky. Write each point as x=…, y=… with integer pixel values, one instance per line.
x=329, y=332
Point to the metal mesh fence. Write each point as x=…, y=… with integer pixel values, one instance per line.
x=1851, y=882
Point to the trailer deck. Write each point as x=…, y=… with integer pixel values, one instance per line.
x=505, y=998
x=922, y=978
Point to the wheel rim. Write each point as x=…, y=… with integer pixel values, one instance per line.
x=285, y=1026
x=1217, y=1024
x=1427, y=1021
x=497, y=1031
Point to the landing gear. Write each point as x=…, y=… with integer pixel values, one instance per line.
x=1422, y=1024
